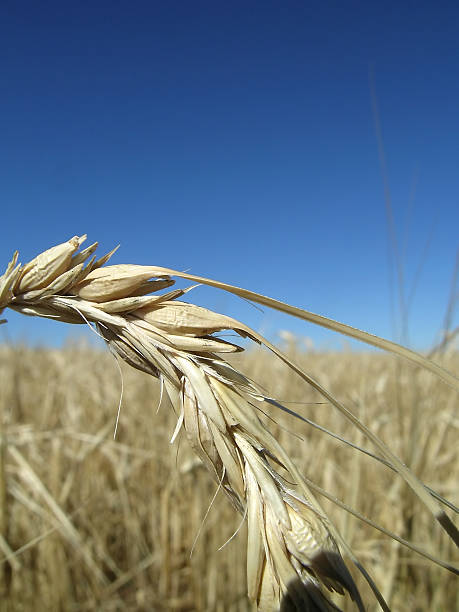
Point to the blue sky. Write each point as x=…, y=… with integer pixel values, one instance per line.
x=238, y=140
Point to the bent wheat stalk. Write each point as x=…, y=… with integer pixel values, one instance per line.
x=293, y=548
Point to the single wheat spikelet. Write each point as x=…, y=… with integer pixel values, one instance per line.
x=294, y=552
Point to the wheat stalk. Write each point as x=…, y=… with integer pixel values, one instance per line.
x=293, y=548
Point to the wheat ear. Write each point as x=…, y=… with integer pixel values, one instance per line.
x=293, y=548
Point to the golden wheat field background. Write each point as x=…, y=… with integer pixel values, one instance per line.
x=89, y=523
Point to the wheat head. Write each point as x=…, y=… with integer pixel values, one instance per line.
x=294, y=552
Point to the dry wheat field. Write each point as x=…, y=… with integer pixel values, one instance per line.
x=89, y=523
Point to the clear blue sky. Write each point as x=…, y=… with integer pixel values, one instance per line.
x=238, y=140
